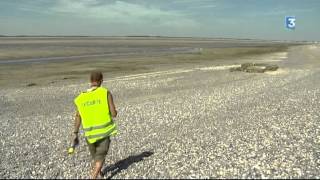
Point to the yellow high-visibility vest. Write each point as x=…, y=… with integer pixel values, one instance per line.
x=95, y=116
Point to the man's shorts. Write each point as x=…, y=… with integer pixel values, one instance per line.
x=99, y=149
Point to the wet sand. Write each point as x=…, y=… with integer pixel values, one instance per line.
x=49, y=60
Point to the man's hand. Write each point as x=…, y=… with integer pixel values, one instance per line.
x=75, y=142
x=75, y=139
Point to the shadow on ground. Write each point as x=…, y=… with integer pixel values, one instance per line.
x=124, y=164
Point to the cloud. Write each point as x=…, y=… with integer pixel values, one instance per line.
x=121, y=12
x=195, y=4
x=205, y=6
x=278, y=11
x=193, y=1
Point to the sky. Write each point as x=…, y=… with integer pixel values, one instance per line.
x=254, y=19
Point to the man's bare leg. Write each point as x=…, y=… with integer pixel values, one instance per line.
x=97, y=169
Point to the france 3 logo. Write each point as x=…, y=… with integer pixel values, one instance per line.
x=290, y=22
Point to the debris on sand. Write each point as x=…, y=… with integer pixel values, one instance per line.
x=66, y=78
x=255, y=67
x=31, y=84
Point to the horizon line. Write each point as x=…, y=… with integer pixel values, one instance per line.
x=156, y=36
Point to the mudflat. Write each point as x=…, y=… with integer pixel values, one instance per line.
x=46, y=60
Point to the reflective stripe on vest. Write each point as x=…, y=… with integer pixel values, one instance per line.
x=110, y=132
x=95, y=116
x=98, y=127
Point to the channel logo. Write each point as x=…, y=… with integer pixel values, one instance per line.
x=290, y=22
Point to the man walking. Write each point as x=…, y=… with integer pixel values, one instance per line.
x=95, y=109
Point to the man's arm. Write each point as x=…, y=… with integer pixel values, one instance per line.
x=77, y=123
x=112, y=107
x=75, y=132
